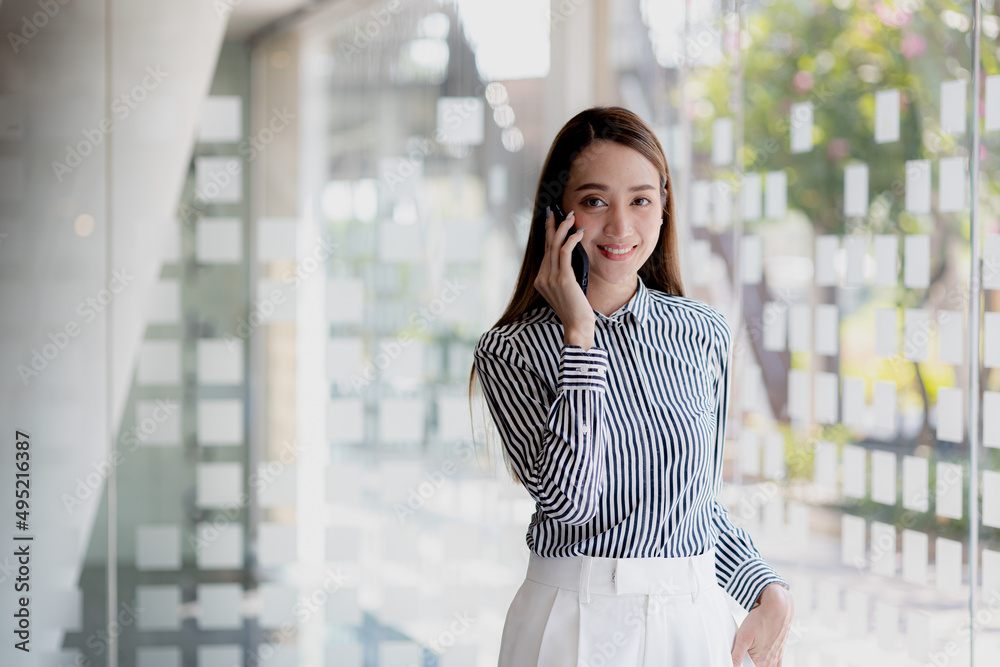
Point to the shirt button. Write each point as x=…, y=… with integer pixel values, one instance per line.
x=585, y=428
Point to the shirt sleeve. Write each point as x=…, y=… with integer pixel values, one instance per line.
x=556, y=443
x=739, y=568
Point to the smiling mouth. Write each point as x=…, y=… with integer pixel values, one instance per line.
x=617, y=250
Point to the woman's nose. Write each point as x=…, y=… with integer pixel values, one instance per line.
x=618, y=225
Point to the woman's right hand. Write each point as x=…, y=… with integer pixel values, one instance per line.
x=557, y=282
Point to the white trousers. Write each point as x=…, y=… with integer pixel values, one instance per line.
x=585, y=611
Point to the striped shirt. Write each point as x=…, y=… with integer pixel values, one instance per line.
x=620, y=446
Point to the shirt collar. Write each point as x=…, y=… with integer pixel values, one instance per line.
x=637, y=307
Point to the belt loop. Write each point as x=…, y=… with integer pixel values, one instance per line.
x=696, y=572
x=585, y=578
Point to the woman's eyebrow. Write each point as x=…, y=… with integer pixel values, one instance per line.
x=599, y=186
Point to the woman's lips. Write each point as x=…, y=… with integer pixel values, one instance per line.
x=616, y=257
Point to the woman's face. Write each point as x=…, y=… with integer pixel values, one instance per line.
x=613, y=188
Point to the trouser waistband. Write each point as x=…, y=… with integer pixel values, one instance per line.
x=685, y=575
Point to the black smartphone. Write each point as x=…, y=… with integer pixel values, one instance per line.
x=581, y=262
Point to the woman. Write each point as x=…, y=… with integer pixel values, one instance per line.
x=611, y=406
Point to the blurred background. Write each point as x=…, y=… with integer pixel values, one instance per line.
x=248, y=246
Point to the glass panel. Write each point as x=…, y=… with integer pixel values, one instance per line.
x=418, y=174
x=851, y=443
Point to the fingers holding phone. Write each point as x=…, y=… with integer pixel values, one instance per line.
x=564, y=234
x=556, y=279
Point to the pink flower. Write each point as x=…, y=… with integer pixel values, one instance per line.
x=732, y=41
x=837, y=149
x=802, y=81
x=912, y=45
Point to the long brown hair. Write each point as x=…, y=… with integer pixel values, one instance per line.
x=604, y=123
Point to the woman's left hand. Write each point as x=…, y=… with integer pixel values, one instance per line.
x=765, y=628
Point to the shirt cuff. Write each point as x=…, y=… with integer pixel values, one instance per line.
x=749, y=581
x=579, y=368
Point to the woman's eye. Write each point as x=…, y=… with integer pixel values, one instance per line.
x=597, y=201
